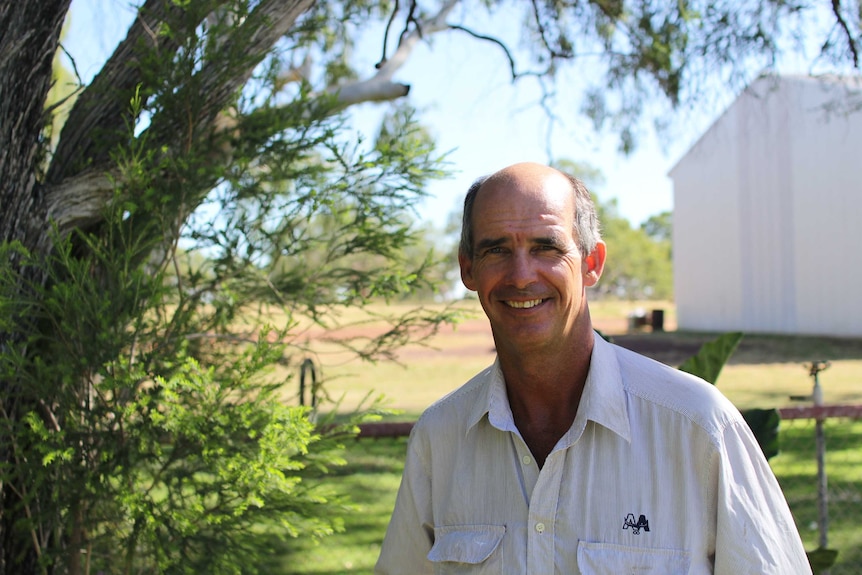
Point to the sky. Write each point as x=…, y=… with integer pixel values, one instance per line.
x=465, y=95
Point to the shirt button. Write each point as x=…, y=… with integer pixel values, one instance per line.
x=540, y=527
x=526, y=460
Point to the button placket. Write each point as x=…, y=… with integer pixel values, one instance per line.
x=542, y=514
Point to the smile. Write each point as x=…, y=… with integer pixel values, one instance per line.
x=524, y=304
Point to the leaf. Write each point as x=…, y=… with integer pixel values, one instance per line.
x=822, y=559
x=764, y=423
x=712, y=356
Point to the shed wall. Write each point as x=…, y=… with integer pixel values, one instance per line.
x=768, y=217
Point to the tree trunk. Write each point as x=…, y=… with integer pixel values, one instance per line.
x=29, y=40
x=31, y=31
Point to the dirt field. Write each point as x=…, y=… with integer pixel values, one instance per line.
x=763, y=372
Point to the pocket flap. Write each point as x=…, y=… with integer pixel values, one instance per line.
x=465, y=543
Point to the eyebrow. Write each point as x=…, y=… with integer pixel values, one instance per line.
x=552, y=241
x=488, y=243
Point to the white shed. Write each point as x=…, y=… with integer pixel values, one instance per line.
x=767, y=225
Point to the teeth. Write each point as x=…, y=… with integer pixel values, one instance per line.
x=524, y=304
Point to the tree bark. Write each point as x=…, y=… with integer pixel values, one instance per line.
x=31, y=32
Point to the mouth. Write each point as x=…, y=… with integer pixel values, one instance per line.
x=523, y=304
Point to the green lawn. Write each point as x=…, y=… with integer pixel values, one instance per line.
x=796, y=469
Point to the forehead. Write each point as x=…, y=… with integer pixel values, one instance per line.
x=540, y=204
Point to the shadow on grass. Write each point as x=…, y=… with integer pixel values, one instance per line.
x=674, y=347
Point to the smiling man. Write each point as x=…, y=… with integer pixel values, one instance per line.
x=542, y=462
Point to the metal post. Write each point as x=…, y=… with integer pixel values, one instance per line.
x=820, y=441
x=307, y=366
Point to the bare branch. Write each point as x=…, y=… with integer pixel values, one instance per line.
x=375, y=89
x=380, y=86
x=842, y=23
x=411, y=18
x=405, y=46
x=493, y=40
x=386, y=35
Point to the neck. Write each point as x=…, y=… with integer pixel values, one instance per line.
x=544, y=389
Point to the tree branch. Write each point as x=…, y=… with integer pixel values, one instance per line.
x=493, y=40
x=95, y=123
x=380, y=86
x=842, y=23
x=79, y=201
x=78, y=198
x=386, y=34
x=77, y=193
x=543, y=34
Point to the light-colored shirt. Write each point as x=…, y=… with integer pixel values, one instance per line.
x=658, y=475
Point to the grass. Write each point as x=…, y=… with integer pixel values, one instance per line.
x=371, y=478
x=764, y=372
x=796, y=469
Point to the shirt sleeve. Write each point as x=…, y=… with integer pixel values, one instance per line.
x=410, y=534
x=755, y=532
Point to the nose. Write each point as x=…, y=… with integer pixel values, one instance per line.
x=521, y=273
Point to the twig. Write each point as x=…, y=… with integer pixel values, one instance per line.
x=851, y=44
x=386, y=35
x=493, y=40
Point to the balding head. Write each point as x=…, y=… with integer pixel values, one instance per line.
x=586, y=224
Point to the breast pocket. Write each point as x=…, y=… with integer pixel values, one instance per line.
x=467, y=549
x=610, y=559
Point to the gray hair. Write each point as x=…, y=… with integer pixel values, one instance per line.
x=586, y=221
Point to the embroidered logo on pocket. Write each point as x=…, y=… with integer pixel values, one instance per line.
x=636, y=526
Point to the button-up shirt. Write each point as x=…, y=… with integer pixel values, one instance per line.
x=658, y=474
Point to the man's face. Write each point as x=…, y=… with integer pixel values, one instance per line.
x=526, y=267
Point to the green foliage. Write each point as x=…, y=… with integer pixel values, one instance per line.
x=822, y=559
x=591, y=176
x=153, y=462
x=708, y=362
x=659, y=227
x=153, y=349
x=765, y=424
x=638, y=266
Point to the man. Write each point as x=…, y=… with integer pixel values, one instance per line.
x=571, y=455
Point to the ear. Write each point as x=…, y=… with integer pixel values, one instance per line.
x=595, y=264
x=466, y=272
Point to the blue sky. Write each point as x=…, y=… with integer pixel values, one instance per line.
x=464, y=91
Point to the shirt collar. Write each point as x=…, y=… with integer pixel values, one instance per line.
x=493, y=401
x=603, y=400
